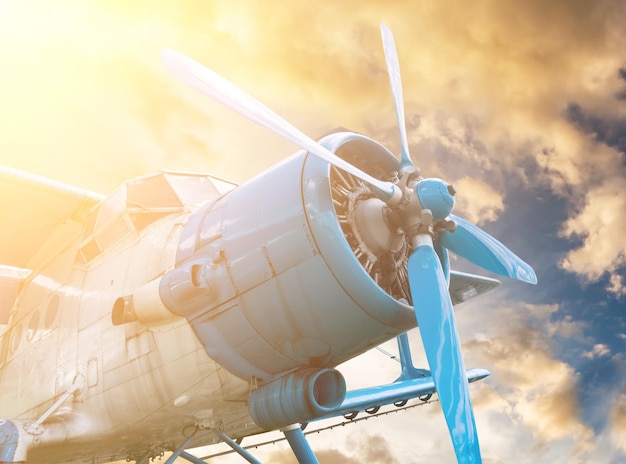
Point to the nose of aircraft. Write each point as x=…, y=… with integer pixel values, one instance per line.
x=437, y=196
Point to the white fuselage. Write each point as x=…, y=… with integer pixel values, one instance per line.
x=169, y=303
x=137, y=385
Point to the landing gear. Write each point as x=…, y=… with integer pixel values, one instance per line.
x=299, y=444
x=406, y=361
x=182, y=453
x=179, y=452
x=293, y=433
x=238, y=448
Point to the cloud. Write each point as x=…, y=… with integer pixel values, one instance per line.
x=611, y=131
x=617, y=285
x=599, y=350
x=566, y=327
x=618, y=422
x=600, y=225
x=373, y=448
x=531, y=394
x=506, y=70
x=479, y=202
x=368, y=448
x=530, y=405
x=324, y=456
x=540, y=390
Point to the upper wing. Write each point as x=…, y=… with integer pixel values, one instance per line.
x=31, y=209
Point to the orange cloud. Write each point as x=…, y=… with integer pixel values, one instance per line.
x=618, y=422
x=600, y=223
x=485, y=205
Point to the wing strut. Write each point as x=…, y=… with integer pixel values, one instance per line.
x=299, y=444
x=409, y=371
x=237, y=447
x=182, y=453
x=180, y=450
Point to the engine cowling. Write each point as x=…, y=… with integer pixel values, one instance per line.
x=294, y=283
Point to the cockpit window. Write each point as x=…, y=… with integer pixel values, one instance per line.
x=110, y=208
x=193, y=189
x=139, y=203
x=90, y=224
x=151, y=192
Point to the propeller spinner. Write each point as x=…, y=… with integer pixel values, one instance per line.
x=421, y=209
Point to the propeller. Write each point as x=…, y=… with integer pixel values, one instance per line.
x=215, y=86
x=435, y=316
x=393, y=68
x=422, y=208
x=480, y=248
x=429, y=283
x=429, y=287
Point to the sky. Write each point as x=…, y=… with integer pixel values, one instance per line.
x=522, y=105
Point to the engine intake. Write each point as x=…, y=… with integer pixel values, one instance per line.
x=297, y=397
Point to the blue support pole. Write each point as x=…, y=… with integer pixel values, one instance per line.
x=235, y=446
x=406, y=361
x=180, y=450
x=299, y=444
x=191, y=458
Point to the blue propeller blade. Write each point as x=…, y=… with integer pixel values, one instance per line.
x=480, y=248
x=435, y=317
x=444, y=259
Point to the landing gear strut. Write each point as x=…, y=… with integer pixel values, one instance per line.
x=299, y=444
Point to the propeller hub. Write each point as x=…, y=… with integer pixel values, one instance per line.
x=437, y=196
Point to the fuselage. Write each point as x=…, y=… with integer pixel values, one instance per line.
x=283, y=292
x=137, y=384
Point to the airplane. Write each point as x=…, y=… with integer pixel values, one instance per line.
x=182, y=310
